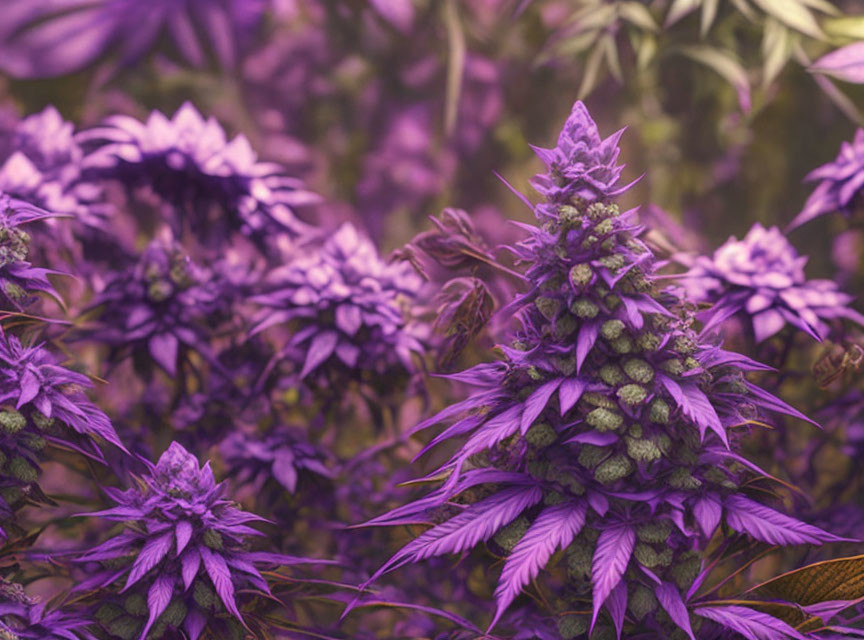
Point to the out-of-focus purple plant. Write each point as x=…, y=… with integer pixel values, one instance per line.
x=162, y=309
x=50, y=39
x=182, y=562
x=208, y=186
x=635, y=466
x=19, y=280
x=347, y=310
x=281, y=454
x=762, y=277
x=840, y=184
x=23, y=617
x=41, y=163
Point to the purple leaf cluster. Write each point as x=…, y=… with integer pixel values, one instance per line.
x=762, y=279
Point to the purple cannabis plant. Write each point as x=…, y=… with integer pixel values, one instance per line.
x=839, y=184
x=204, y=184
x=348, y=312
x=181, y=563
x=163, y=309
x=610, y=431
x=762, y=279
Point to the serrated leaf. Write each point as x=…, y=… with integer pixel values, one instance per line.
x=611, y=557
x=727, y=66
x=794, y=14
x=553, y=528
x=838, y=579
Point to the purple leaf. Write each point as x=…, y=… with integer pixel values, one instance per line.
x=670, y=599
x=707, y=511
x=163, y=347
x=753, y=625
x=158, y=599
x=585, y=341
x=767, y=525
x=151, y=553
x=494, y=431
x=284, y=470
x=220, y=575
x=536, y=403
x=478, y=522
x=614, y=548
x=553, y=528
x=189, y=564
x=320, y=349
x=183, y=532
x=194, y=623
x=29, y=388
x=846, y=63
x=348, y=318
x=569, y=393
x=616, y=605
x=695, y=405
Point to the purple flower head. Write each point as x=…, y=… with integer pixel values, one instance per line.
x=762, y=277
x=207, y=184
x=23, y=617
x=609, y=431
x=41, y=163
x=582, y=165
x=40, y=402
x=345, y=305
x=840, y=183
x=49, y=395
x=50, y=39
x=163, y=307
x=281, y=454
x=19, y=280
x=181, y=562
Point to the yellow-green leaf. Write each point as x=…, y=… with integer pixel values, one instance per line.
x=776, y=50
x=839, y=579
x=679, y=9
x=709, y=12
x=793, y=14
x=845, y=28
x=727, y=66
x=592, y=71
x=637, y=14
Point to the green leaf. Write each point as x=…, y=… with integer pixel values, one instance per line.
x=638, y=15
x=839, y=579
x=646, y=51
x=776, y=50
x=724, y=63
x=592, y=70
x=845, y=28
x=455, y=64
x=709, y=12
x=612, y=60
x=793, y=14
